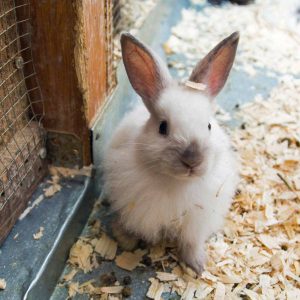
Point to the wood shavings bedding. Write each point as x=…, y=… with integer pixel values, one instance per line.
x=270, y=35
x=257, y=256
x=58, y=172
x=67, y=172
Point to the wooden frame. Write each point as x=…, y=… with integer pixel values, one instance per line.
x=69, y=51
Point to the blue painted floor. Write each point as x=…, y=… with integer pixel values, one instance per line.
x=21, y=256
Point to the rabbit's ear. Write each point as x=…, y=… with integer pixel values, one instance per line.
x=148, y=76
x=214, y=68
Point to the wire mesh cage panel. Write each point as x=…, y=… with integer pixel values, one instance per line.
x=21, y=135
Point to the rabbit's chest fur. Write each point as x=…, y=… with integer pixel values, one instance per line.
x=151, y=205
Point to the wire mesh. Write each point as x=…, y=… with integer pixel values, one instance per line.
x=21, y=135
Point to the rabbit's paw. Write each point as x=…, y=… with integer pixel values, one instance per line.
x=194, y=258
x=126, y=241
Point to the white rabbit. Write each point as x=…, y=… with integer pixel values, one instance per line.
x=169, y=170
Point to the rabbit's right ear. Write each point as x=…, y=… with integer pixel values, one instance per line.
x=214, y=68
x=147, y=75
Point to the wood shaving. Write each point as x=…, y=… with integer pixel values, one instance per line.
x=269, y=241
x=112, y=289
x=155, y=290
x=106, y=247
x=202, y=293
x=220, y=291
x=195, y=85
x=190, y=291
x=80, y=255
x=163, y=276
x=58, y=172
x=277, y=262
x=130, y=260
x=39, y=234
x=54, y=188
x=2, y=284
x=67, y=172
x=73, y=289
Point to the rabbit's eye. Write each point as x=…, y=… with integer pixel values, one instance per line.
x=209, y=126
x=163, y=128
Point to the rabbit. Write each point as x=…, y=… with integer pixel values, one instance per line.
x=169, y=169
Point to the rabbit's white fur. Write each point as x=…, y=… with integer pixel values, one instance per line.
x=155, y=197
x=151, y=203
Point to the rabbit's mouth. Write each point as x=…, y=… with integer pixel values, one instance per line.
x=195, y=172
x=192, y=172
x=186, y=173
x=195, y=169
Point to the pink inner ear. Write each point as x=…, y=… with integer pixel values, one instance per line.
x=213, y=85
x=142, y=70
x=219, y=71
x=214, y=68
x=143, y=73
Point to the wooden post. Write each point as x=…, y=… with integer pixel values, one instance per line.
x=69, y=52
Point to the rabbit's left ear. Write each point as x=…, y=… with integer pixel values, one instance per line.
x=148, y=76
x=214, y=68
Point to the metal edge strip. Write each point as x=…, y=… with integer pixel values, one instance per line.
x=45, y=280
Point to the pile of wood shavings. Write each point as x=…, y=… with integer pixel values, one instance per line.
x=257, y=256
x=84, y=257
x=60, y=172
x=270, y=35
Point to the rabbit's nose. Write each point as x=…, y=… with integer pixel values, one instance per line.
x=191, y=157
